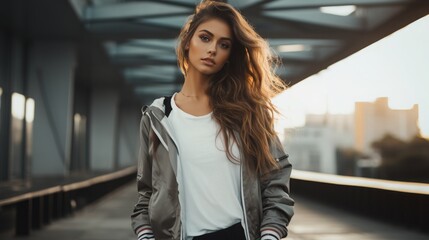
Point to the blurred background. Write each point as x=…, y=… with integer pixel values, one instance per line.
x=74, y=75
x=367, y=115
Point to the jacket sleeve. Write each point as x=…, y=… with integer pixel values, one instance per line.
x=277, y=205
x=140, y=215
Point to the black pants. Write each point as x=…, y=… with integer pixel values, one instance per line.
x=235, y=232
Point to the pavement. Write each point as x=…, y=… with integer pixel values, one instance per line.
x=108, y=219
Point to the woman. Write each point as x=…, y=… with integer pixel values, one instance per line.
x=211, y=166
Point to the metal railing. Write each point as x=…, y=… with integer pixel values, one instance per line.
x=402, y=203
x=37, y=208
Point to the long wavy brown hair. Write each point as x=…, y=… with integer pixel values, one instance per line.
x=240, y=94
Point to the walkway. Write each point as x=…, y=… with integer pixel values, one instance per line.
x=109, y=220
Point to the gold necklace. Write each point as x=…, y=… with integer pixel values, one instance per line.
x=188, y=96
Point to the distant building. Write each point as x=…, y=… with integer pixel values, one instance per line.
x=311, y=148
x=373, y=120
x=341, y=127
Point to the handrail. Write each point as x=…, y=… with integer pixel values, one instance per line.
x=389, y=201
x=36, y=208
x=29, y=195
x=397, y=186
x=69, y=187
x=99, y=179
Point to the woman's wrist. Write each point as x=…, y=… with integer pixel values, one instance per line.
x=270, y=233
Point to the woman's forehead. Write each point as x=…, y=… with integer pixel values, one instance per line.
x=217, y=27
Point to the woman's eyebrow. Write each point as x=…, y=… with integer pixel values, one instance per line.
x=211, y=34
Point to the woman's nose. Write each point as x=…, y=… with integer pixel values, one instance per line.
x=211, y=49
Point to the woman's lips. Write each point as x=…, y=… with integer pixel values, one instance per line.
x=208, y=61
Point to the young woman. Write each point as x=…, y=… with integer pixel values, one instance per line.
x=211, y=166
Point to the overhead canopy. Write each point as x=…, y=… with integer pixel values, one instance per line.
x=139, y=37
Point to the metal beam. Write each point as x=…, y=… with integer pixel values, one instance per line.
x=299, y=4
x=414, y=11
x=136, y=51
x=132, y=10
x=121, y=31
x=164, y=73
x=275, y=28
x=315, y=16
x=136, y=61
x=168, y=21
x=242, y=4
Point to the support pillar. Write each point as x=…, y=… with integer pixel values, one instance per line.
x=51, y=74
x=103, y=129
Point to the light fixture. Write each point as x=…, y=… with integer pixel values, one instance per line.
x=293, y=48
x=345, y=10
x=18, y=106
x=29, y=110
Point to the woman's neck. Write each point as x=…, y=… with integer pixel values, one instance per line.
x=195, y=85
x=193, y=97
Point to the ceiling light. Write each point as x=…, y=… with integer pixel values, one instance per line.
x=293, y=48
x=345, y=10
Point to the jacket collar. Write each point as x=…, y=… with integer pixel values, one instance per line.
x=163, y=129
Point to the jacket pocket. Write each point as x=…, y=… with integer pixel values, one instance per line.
x=286, y=156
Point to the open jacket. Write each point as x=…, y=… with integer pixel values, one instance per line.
x=265, y=199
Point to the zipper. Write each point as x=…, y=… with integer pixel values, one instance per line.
x=167, y=128
x=260, y=198
x=182, y=206
x=282, y=157
x=244, y=203
x=156, y=131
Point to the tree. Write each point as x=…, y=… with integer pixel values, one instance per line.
x=403, y=161
x=346, y=161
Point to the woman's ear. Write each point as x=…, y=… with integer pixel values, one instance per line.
x=187, y=46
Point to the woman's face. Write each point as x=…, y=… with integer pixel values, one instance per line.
x=209, y=47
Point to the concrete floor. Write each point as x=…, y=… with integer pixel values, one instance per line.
x=108, y=219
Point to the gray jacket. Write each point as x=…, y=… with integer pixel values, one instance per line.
x=265, y=200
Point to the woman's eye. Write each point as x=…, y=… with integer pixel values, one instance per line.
x=204, y=38
x=224, y=45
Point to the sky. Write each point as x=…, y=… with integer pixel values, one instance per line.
x=396, y=67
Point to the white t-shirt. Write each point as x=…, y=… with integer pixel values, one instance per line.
x=210, y=181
